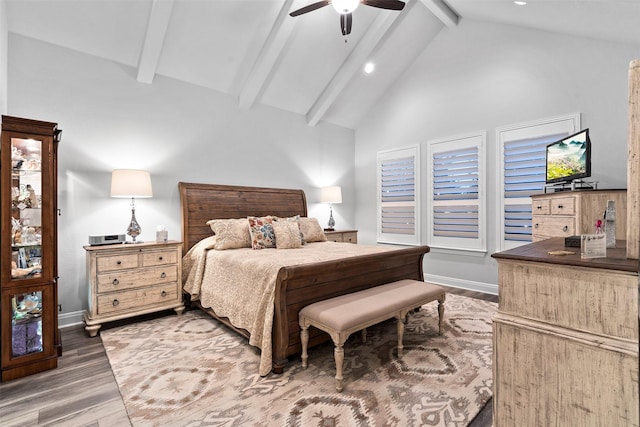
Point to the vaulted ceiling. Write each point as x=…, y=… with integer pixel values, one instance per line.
x=253, y=49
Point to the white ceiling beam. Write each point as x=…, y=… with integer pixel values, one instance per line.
x=154, y=39
x=375, y=35
x=443, y=12
x=271, y=50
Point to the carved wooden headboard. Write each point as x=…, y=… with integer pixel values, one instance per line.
x=201, y=202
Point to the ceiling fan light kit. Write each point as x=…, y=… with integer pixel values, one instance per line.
x=345, y=7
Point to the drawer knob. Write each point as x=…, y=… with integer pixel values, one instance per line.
x=163, y=275
x=535, y=226
x=560, y=206
x=119, y=262
x=115, y=302
x=565, y=228
x=160, y=258
x=163, y=293
x=539, y=207
x=116, y=282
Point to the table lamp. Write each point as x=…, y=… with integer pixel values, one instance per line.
x=331, y=195
x=131, y=183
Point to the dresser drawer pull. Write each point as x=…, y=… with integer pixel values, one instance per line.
x=163, y=293
x=116, y=282
x=535, y=226
x=115, y=302
x=565, y=228
x=560, y=206
x=119, y=263
x=160, y=258
x=163, y=275
x=539, y=207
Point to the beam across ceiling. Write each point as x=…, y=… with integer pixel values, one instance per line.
x=154, y=39
x=376, y=34
x=271, y=50
x=443, y=12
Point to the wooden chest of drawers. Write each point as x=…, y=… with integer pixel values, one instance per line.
x=128, y=280
x=571, y=213
x=347, y=236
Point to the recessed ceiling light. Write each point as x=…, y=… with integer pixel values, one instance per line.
x=520, y=2
x=368, y=67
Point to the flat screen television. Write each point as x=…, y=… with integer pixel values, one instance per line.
x=569, y=158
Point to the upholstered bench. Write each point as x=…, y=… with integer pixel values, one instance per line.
x=343, y=315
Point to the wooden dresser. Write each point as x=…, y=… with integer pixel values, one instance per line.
x=347, y=236
x=132, y=279
x=569, y=213
x=565, y=338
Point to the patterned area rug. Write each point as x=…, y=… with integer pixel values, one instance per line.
x=193, y=371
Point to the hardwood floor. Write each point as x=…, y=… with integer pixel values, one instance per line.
x=82, y=391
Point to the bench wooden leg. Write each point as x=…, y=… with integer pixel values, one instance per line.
x=401, y=321
x=441, y=313
x=338, y=354
x=304, y=339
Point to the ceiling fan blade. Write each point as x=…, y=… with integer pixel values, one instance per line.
x=310, y=8
x=346, y=19
x=384, y=4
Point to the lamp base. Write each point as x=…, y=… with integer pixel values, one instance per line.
x=329, y=229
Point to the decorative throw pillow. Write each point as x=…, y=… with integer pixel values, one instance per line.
x=287, y=234
x=295, y=219
x=311, y=230
x=261, y=230
x=231, y=233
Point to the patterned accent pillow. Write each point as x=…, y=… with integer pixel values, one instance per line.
x=295, y=219
x=262, y=235
x=287, y=234
x=231, y=233
x=311, y=230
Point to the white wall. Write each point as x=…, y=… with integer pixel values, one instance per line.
x=481, y=76
x=4, y=42
x=178, y=131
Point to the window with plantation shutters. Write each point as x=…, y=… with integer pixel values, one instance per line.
x=456, y=177
x=398, y=178
x=522, y=150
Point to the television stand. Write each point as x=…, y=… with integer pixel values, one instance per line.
x=575, y=185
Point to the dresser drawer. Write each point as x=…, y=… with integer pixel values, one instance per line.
x=549, y=226
x=136, y=278
x=133, y=299
x=563, y=206
x=541, y=207
x=150, y=259
x=116, y=262
x=350, y=237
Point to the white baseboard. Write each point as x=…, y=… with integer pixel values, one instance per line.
x=487, y=288
x=66, y=320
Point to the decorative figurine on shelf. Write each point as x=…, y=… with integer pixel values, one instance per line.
x=17, y=158
x=31, y=196
x=610, y=223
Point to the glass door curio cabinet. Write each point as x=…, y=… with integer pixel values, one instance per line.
x=29, y=337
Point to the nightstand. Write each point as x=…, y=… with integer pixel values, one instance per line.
x=346, y=236
x=127, y=280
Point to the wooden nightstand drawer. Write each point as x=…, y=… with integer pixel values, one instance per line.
x=133, y=299
x=563, y=206
x=346, y=236
x=137, y=278
x=351, y=237
x=159, y=258
x=117, y=262
x=541, y=207
x=550, y=226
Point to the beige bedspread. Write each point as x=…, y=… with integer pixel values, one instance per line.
x=240, y=283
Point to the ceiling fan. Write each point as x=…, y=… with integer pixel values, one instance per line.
x=346, y=7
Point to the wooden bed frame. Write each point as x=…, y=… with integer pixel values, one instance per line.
x=296, y=286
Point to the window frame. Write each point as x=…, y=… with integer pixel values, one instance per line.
x=568, y=123
x=392, y=238
x=456, y=244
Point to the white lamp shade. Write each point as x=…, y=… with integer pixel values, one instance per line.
x=130, y=183
x=331, y=194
